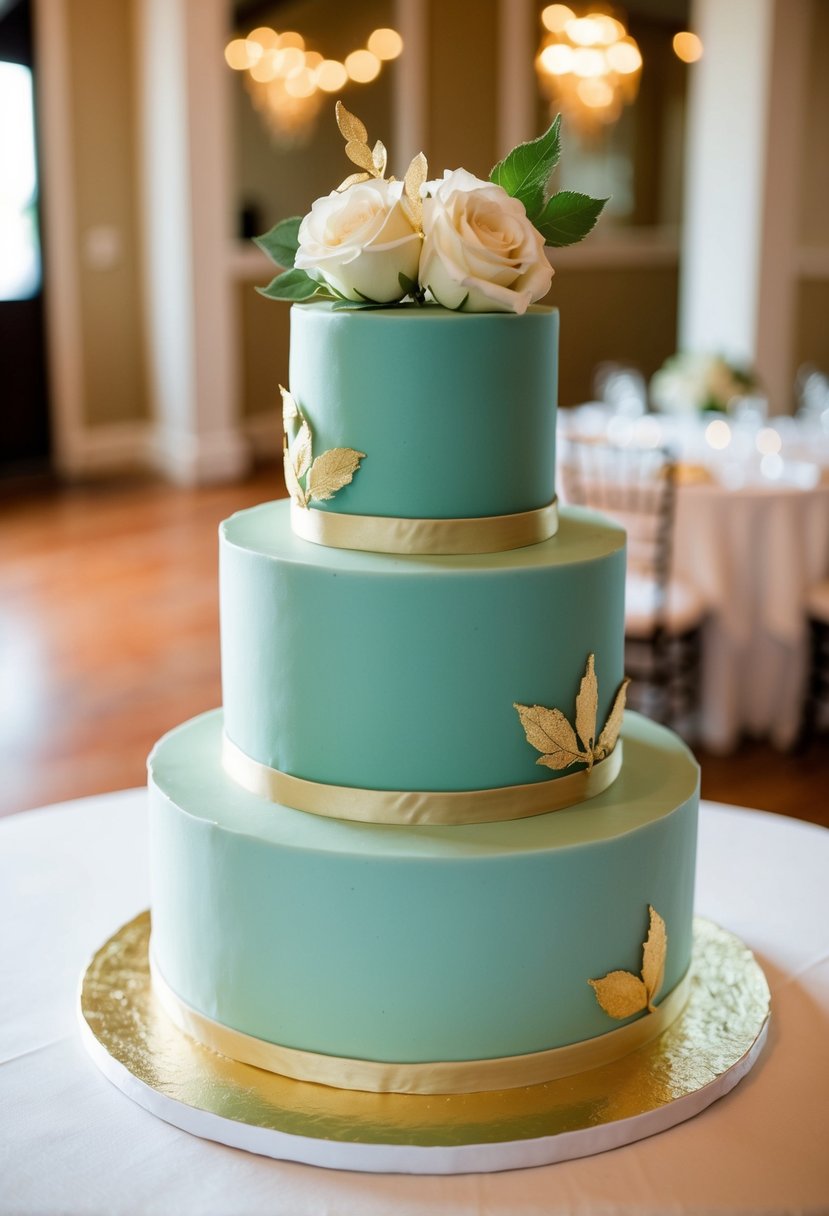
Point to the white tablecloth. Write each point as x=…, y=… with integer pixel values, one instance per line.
x=71, y=1143
x=753, y=553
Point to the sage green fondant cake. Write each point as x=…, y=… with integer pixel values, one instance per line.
x=413, y=852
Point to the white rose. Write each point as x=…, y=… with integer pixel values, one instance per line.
x=360, y=241
x=479, y=248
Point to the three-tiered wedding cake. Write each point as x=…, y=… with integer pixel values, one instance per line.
x=413, y=852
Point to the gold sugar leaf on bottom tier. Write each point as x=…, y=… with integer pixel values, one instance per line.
x=620, y=993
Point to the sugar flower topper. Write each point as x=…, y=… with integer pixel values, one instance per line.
x=464, y=243
x=550, y=733
x=621, y=993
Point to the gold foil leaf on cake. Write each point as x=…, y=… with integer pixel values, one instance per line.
x=416, y=175
x=360, y=154
x=379, y=157
x=301, y=450
x=653, y=957
x=550, y=733
x=291, y=480
x=352, y=180
x=324, y=476
x=331, y=471
x=350, y=126
x=289, y=406
x=613, y=725
x=560, y=744
x=587, y=707
x=620, y=993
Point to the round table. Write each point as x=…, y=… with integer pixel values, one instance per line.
x=70, y=1142
x=752, y=546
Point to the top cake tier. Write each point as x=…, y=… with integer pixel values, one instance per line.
x=456, y=413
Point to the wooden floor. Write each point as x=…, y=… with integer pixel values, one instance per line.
x=109, y=637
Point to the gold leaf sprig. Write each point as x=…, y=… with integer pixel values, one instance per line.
x=550, y=733
x=620, y=993
x=326, y=474
x=372, y=162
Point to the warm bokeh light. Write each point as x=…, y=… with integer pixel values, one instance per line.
x=555, y=17
x=267, y=68
x=265, y=36
x=241, y=54
x=624, y=57
x=313, y=59
x=557, y=59
x=289, y=61
x=301, y=84
x=331, y=75
x=291, y=40
x=385, y=44
x=718, y=435
x=595, y=93
x=687, y=47
x=584, y=31
x=588, y=62
x=362, y=66
x=588, y=66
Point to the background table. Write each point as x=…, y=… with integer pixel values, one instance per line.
x=71, y=1143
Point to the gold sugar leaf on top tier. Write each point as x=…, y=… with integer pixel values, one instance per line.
x=620, y=993
x=415, y=177
x=331, y=471
x=324, y=476
x=350, y=125
x=550, y=733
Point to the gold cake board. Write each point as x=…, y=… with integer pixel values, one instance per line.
x=699, y=1058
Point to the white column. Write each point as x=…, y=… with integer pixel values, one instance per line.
x=518, y=36
x=411, y=76
x=183, y=147
x=725, y=174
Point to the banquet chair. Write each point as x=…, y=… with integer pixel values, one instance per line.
x=636, y=487
x=817, y=689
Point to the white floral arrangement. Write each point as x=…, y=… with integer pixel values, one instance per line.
x=696, y=383
x=466, y=244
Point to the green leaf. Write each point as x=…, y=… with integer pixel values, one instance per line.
x=567, y=217
x=525, y=172
x=282, y=242
x=292, y=285
x=361, y=304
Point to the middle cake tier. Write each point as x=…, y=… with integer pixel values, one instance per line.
x=402, y=673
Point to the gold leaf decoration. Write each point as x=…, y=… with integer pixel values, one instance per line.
x=331, y=471
x=301, y=450
x=613, y=725
x=289, y=406
x=379, y=157
x=550, y=732
x=415, y=177
x=360, y=154
x=291, y=480
x=352, y=180
x=350, y=126
x=653, y=957
x=587, y=707
x=620, y=993
x=324, y=476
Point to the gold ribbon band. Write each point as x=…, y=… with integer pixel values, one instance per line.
x=388, y=534
x=450, y=808
x=441, y=1077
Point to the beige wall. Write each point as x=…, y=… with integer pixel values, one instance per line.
x=100, y=55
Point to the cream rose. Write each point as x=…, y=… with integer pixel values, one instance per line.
x=479, y=248
x=360, y=241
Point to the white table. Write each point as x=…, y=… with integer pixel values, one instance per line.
x=71, y=1143
x=753, y=553
x=752, y=545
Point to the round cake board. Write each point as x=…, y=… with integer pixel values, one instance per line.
x=708, y=1049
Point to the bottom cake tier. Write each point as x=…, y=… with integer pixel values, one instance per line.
x=344, y=942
